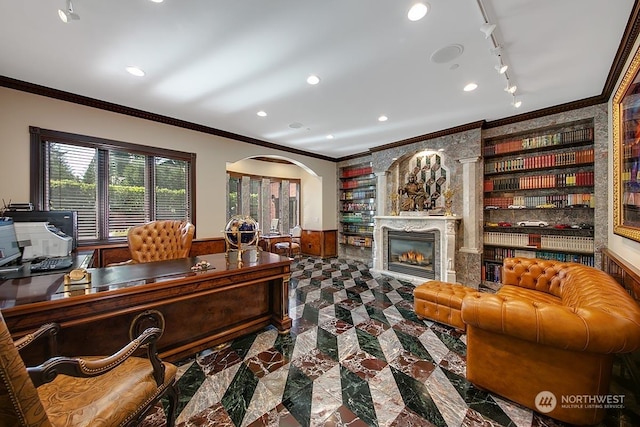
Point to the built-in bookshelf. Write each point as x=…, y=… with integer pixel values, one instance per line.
x=539, y=196
x=357, y=205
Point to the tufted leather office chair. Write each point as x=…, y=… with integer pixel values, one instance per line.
x=160, y=240
x=116, y=390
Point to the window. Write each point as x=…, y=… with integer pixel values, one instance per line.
x=265, y=199
x=113, y=185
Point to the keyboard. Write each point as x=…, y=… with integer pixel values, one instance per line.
x=48, y=264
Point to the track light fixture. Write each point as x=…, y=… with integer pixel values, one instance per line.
x=516, y=103
x=487, y=29
x=68, y=14
x=497, y=50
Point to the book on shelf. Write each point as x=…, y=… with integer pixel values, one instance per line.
x=555, y=139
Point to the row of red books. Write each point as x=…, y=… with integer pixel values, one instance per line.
x=544, y=161
x=348, y=173
x=540, y=181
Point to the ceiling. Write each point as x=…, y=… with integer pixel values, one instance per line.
x=217, y=63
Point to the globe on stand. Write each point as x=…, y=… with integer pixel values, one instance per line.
x=239, y=233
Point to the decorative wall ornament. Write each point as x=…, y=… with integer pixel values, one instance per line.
x=424, y=178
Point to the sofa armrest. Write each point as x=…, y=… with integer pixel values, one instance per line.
x=576, y=329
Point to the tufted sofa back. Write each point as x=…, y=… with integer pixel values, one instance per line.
x=535, y=274
x=598, y=314
x=160, y=240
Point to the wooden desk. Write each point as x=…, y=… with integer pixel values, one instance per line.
x=199, y=309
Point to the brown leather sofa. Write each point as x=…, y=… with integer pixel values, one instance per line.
x=552, y=327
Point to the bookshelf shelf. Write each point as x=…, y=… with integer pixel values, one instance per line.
x=357, y=194
x=544, y=175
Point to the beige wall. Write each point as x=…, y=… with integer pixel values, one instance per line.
x=623, y=247
x=19, y=110
x=310, y=187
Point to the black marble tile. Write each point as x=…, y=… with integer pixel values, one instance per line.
x=189, y=383
x=285, y=343
x=417, y=398
x=357, y=397
x=310, y=313
x=296, y=381
x=413, y=345
x=451, y=338
x=243, y=344
x=328, y=343
x=377, y=314
x=299, y=404
x=343, y=314
x=238, y=396
x=370, y=344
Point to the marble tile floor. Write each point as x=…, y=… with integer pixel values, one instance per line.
x=356, y=356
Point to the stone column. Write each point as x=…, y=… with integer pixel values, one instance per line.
x=285, y=225
x=471, y=218
x=381, y=196
x=448, y=253
x=265, y=204
x=245, y=203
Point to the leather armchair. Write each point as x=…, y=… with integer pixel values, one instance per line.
x=160, y=240
x=116, y=390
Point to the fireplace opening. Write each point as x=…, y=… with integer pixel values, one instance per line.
x=411, y=253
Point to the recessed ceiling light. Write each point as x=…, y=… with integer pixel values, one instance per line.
x=383, y=118
x=329, y=136
x=157, y=1
x=135, y=71
x=471, y=86
x=417, y=11
x=261, y=113
x=313, y=79
x=517, y=103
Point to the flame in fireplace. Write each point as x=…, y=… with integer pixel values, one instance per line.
x=412, y=257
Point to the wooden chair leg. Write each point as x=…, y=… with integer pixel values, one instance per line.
x=172, y=396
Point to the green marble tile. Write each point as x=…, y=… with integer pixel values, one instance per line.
x=238, y=396
x=370, y=344
x=357, y=397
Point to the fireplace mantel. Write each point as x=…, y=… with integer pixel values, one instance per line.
x=446, y=225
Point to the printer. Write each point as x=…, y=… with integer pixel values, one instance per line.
x=41, y=239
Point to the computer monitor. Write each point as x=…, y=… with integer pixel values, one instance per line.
x=274, y=225
x=9, y=249
x=65, y=221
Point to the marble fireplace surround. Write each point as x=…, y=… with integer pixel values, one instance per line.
x=446, y=228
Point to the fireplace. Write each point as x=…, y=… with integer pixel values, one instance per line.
x=440, y=247
x=411, y=253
